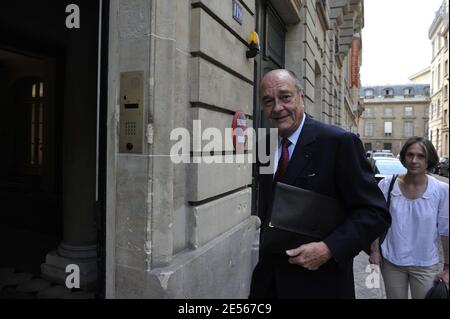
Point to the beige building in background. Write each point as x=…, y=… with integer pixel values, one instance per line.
x=393, y=113
x=439, y=112
x=423, y=76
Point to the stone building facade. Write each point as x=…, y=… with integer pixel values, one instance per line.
x=143, y=224
x=423, y=76
x=439, y=113
x=392, y=114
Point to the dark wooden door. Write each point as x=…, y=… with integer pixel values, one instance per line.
x=272, y=34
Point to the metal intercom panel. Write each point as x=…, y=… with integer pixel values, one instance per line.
x=131, y=136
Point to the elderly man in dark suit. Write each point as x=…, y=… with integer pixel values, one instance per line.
x=327, y=160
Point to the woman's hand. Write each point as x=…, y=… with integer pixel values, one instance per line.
x=375, y=258
x=444, y=275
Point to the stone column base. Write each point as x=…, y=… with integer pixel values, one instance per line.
x=85, y=257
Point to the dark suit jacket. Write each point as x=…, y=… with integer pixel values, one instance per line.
x=330, y=161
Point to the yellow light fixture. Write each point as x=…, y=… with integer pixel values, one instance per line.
x=254, y=47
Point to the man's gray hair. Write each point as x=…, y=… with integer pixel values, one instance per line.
x=298, y=85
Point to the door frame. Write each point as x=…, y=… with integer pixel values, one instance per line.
x=262, y=61
x=20, y=43
x=102, y=131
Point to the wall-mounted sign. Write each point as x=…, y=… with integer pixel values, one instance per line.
x=356, y=43
x=239, y=126
x=237, y=11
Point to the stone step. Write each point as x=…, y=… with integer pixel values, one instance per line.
x=80, y=295
x=55, y=292
x=33, y=285
x=12, y=293
x=6, y=272
x=15, y=279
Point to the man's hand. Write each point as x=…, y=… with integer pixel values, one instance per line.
x=444, y=275
x=310, y=256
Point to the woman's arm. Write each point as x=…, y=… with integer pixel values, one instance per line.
x=375, y=254
x=444, y=274
x=443, y=228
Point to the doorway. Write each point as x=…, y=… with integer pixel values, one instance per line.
x=272, y=31
x=52, y=130
x=29, y=163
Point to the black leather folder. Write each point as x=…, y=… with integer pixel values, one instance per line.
x=304, y=212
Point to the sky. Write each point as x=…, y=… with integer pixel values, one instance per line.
x=395, y=39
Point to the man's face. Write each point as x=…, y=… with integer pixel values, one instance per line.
x=282, y=104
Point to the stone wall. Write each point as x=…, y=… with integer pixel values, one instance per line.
x=180, y=230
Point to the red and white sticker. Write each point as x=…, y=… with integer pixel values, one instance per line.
x=239, y=126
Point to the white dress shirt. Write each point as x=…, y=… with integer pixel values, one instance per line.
x=413, y=238
x=293, y=139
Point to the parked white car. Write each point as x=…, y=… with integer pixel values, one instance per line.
x=382, y=154
x=383, y=167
